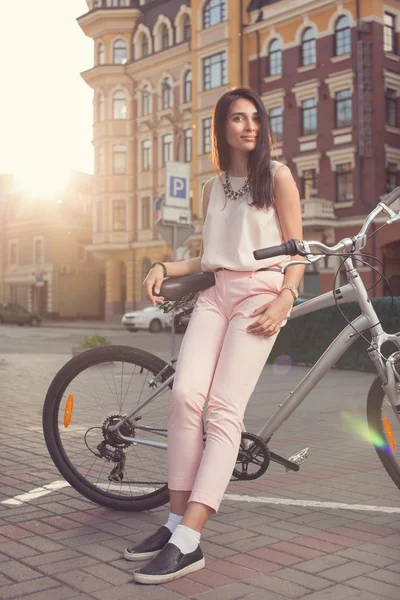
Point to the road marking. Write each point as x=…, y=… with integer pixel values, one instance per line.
x=58, y=485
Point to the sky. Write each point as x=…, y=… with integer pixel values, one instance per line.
x=45, y=106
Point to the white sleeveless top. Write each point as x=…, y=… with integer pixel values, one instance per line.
x=233, y=229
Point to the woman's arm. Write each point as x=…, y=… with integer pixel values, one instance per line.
x=180, y=268
x=287, y=206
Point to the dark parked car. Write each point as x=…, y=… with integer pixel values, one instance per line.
x=15, y=313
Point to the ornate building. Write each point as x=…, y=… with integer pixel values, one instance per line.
x=329, y=75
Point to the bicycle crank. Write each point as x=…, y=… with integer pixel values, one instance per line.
x=253, y=458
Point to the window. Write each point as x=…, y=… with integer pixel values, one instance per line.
x=207, y=135
x=146, y=100
x=188, y=134
x=119, y=52
x=96, y=3
x=146, y=266
x=187, y=29
x=145, y=208
x=119, y=161
x=99, y=217
x=119, y=215
x=391, y=108
x=101, y=108
x=309, y=184
x=100, y=161
x=146, y=155
x=166, y=93
x=13, y=253
x=275, y=58
x=101, y=55
x=342, y=36
x=214, y=71
x=389, y=33
x=38, y=256
x=391, y=177
x=116, y=3
x=164, y=37
x=309, y=116
x=308, y=47
x=276, y=122
x=187, y=89
x=166, y=149
x=144, y=45
x=343, y=103
x=344, y=183
x=214, y=12
x=120, y=106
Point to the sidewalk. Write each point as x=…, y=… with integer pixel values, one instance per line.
x=329, y=532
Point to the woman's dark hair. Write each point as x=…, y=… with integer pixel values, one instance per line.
x=259, y=160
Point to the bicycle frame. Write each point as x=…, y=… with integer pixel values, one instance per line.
x=354, y=291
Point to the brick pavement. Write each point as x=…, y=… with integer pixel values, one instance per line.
x=62, y=546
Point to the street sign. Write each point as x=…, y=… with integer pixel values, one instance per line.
x=177, y=185
x=174, y=234
x=171, y=214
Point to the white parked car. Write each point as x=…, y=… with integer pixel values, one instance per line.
x=151, y=318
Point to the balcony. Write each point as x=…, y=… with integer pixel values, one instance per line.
x=108, y=18
x=316, y=211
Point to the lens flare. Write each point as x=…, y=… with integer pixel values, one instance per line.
x=282, y=365
x=359, y=427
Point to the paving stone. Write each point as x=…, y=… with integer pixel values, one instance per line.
x=186, y=587
x=379, y=588
x=58, y=593
x=386, y=575
x=280, y=558
x=234, y=591
x=251, y=562
x=17, y=550
x=83, y=581
x=68, y=565
x=321, y=564
x=366, y=557
x=109, y=574
x=295, y=550
x=19, y=590
x=340, y=592
x=51, y=557
x=307, y=580
x=280, y=586
x=346, y=571
x=17, y=571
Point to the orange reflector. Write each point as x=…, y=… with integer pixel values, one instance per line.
x=68, y=410
x=389, y=434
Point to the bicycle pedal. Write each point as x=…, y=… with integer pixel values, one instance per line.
x=299, y=457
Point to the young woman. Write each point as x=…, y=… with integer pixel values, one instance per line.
x=252, y=203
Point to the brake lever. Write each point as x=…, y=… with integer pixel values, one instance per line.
x=309, y=261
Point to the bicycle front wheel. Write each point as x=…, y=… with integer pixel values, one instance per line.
x=384, y=429
x=93, y=391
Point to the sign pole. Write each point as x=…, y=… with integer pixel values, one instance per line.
x=174, y=257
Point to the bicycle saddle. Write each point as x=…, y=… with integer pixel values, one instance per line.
x=174, y=288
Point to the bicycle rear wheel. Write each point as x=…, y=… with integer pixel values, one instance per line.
x=384, y=430
x=92, y=391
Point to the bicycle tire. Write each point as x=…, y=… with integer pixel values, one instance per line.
x=375, y=400
x=96, y=357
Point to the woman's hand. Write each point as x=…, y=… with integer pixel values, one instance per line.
x=152, y=282
x=272, y=316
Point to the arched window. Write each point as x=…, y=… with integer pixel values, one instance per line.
x=144, y=45
x=120, y=105
x=101, y=108
x=119, y=52
x=101, y=57
x=308, y=47
x=187, y=29
x=214, y=12
x=164, y=36
x=187, y=87
x=275, y=58
x=166, y=93
x=342, y=36
x=147, y=105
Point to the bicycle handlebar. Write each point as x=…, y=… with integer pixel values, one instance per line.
x=296, y=247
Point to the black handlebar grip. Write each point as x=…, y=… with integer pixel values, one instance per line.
x=392, y=197
x=289, y=247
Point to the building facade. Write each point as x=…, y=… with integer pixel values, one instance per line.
x=44, y=262
x=328, y=73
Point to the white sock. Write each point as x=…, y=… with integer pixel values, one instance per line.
x=173, y=521
x=185, y=539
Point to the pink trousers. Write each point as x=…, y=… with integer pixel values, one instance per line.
x=219, y=362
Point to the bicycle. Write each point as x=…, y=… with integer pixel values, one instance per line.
x=117, y=458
